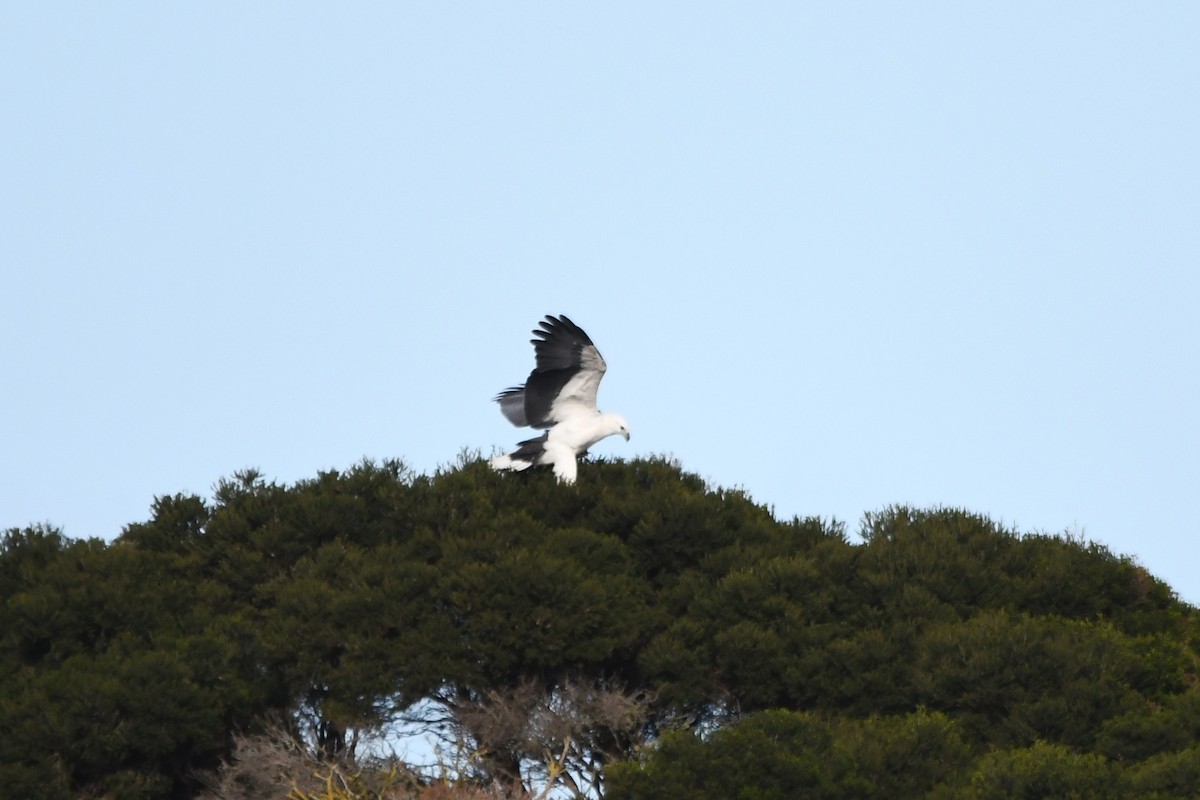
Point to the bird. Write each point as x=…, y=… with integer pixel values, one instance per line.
x=559, y=397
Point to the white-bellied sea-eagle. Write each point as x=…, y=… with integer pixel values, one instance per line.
x=559, y=397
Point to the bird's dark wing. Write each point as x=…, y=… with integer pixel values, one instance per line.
x=567, y=375
x=565, y=379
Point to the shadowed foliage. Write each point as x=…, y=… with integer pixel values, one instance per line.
x=637, y=635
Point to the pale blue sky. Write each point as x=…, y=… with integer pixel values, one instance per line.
x=840, y=255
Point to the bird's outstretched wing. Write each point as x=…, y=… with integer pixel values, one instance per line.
x=565, y=379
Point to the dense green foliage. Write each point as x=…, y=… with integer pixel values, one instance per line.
x=942, y=656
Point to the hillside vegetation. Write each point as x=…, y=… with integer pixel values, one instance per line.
x=637, y=636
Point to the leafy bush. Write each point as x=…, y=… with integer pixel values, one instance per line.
x=761, y=656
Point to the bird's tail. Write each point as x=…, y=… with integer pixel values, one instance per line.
x=524, y=457
x=508, y=462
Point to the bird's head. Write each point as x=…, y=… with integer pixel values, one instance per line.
x=618, y=425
